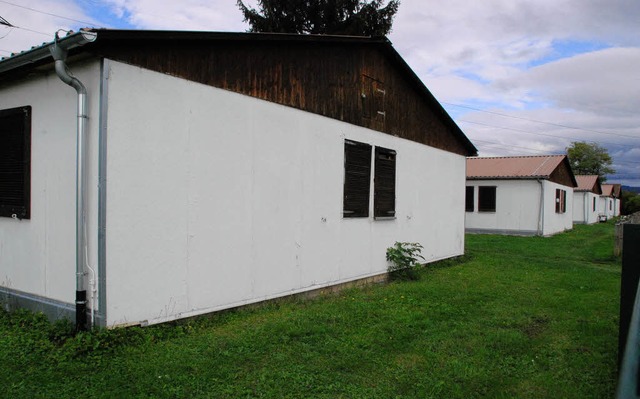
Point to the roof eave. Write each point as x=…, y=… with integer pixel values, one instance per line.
x=40, y=53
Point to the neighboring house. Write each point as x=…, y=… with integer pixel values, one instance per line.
x=610, y=200
x=522, y=195
x=220, y=169
x=586, y=199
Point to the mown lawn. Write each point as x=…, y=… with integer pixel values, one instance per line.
x=524, y=317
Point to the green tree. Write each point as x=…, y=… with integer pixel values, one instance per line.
x=630, y=203
x=336, y=17
x=590, y=159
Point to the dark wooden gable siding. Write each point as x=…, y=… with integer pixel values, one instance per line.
x=355, y=83
x=563, y=175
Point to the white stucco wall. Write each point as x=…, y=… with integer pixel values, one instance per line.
x=606, y=206
x=518, y=209
x=216, y=199
x=583, y=209
x=37, y=256
x=557, y=222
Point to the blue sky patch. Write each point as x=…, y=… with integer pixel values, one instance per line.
x=567, y=48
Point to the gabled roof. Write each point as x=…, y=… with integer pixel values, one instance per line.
x=549, y=167
x=129, y=44
x=589, y=183
x=611, y=190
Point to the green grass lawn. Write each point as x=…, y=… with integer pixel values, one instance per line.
x=525, y=317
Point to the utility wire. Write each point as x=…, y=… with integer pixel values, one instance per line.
x=47, y=13
x=535, y=133
x=543, y=122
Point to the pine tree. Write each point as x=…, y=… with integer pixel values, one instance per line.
x=335, y=17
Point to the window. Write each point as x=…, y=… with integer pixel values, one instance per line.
x=384, y=198
x=561, y=201
x=594, y=204
x=469, y=199
x=15, y=162
x=610, y=203
x=357, y=179
x=486, y=199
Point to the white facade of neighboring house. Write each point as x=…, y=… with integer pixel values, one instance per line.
x=202, y=199
x=586, y=198
x=609, y=206
x=519, y=195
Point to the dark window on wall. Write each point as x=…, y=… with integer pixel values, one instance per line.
x=486, y=199
x=357, y=179
x=610, y=204
x=15, y=162
x=594, y=204
x=561, y=201
x=468, y=199
x=384, y=198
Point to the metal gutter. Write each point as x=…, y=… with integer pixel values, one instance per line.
x=41, y=53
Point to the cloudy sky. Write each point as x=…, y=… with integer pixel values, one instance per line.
x=520, y=77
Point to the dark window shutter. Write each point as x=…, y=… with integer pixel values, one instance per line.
x=469, y=200
x=15, y=162
x=564, y=201
x=558, y=200
x=384, y=199
x=357, y=179
x=487, y=199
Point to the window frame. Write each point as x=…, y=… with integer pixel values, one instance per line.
x=483, y=201
x=561, y=200
x=16, y=163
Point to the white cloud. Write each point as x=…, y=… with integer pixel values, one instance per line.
x=478, y=53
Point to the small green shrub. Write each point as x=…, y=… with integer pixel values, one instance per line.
x=405, y=259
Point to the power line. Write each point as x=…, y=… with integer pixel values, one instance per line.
x=535, y=133
x=543, y=122
x=46, y=13
x=509, y=146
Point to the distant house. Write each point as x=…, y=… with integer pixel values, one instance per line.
x=586, y=198
x=215, y=170
x=522, y=195
x=610, y=200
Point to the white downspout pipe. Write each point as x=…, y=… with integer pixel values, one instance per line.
x=59, y=55
x=541, y=210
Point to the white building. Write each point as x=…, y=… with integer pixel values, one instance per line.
x=586, y=199
x=215, y=170
x=527, y=195
x=610, y=201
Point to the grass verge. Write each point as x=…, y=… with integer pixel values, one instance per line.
x=526, y=317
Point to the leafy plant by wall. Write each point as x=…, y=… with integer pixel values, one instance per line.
x=405, y=258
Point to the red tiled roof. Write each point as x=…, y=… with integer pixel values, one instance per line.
x=524, y=167
x=608, y=190
x=588, y=183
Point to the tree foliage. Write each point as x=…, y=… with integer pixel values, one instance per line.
x=630, y=202
x=590, y=159
x=336, y=17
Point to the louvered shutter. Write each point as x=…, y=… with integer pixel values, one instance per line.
x=384, y=199
x=357, y=179
x=15, y=162
x=469, y=200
